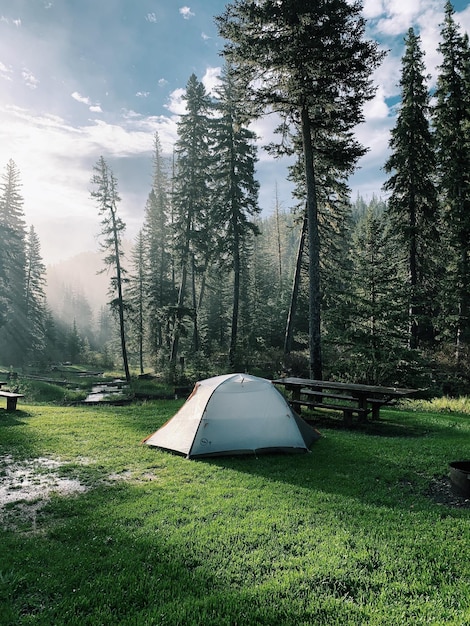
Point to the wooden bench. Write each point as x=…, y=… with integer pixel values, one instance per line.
x=347, y=410
x=326, y=394
x=12, y=399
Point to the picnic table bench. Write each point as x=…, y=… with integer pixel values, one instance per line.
x=349, y=398
x=11, y=397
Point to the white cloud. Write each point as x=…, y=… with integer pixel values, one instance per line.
x=162, y=82
x=205, y=37
x=151, y=17
x=176, y=104
x=79, y=98
x=142, y=94
x=372, y=8
x=29, y=79
x=463, y=19
x=186, y=13
x=399, y=16
x=15, y=22
x=211, y=79
x=94, y=108
x=129, y=114
x=377, y=108
x=5, y=72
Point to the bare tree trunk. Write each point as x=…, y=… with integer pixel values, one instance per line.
x=278, y=238
x=315, y=351
x=195, y=310
x=179, y=306
x=413, y=278
x=181, y=295
x=120, y=300
x=295, y=290
x=236, y=296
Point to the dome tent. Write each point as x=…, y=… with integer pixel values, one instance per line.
x=234, y=414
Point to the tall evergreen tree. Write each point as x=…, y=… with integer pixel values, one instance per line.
x=236, y=194
x=413, y=204
x=137, y=300
x=157, y=235
x=13, y=342
x=191, y=198
x=310, y=63
x=3, y=275
x=105, y=193
x=378, y=312
x=452, y=130
x=35, y=297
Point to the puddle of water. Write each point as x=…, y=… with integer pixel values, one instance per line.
x=28, y=481
x=26, y=487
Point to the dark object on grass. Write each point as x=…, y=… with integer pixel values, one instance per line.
x=460, y=477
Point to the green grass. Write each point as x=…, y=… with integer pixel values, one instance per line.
x=346, y=535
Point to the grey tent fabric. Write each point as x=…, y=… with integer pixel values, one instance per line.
x=234, y=414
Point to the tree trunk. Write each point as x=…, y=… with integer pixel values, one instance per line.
x=120, y=301
x=195, y=310
x=279, y=247
x=313, y=251
x=413, y=308
x=295, y=291
x=141, y=337
x=236, y=296
x=181, y=294
x=176, y=329
x=463, y=319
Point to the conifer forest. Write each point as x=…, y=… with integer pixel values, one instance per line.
x=332, y=287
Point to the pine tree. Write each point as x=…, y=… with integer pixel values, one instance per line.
x=136, y=295
x=236, y=188
x=106, y=195
x=74, y=343
x=191, y=199
x=310, y=63
x=35, y=297
x=452, y=129
x=413, y=205
x=159, y=285
x=378, y=311
x=13, y=341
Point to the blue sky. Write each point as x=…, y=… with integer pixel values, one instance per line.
x=84, y=78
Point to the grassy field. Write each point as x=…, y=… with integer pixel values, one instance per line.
x=97, y=529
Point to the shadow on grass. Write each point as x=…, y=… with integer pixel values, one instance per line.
x=10, y=418
x=390, y=424
x=92, y=563
x=147, y=417
x=13, y=438
x=371, y=470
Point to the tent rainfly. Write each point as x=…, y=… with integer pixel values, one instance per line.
x=234, y=414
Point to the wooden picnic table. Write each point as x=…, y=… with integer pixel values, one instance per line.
x=350, y=398
x=12, y=399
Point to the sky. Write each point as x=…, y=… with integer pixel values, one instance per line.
x=80, y=79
